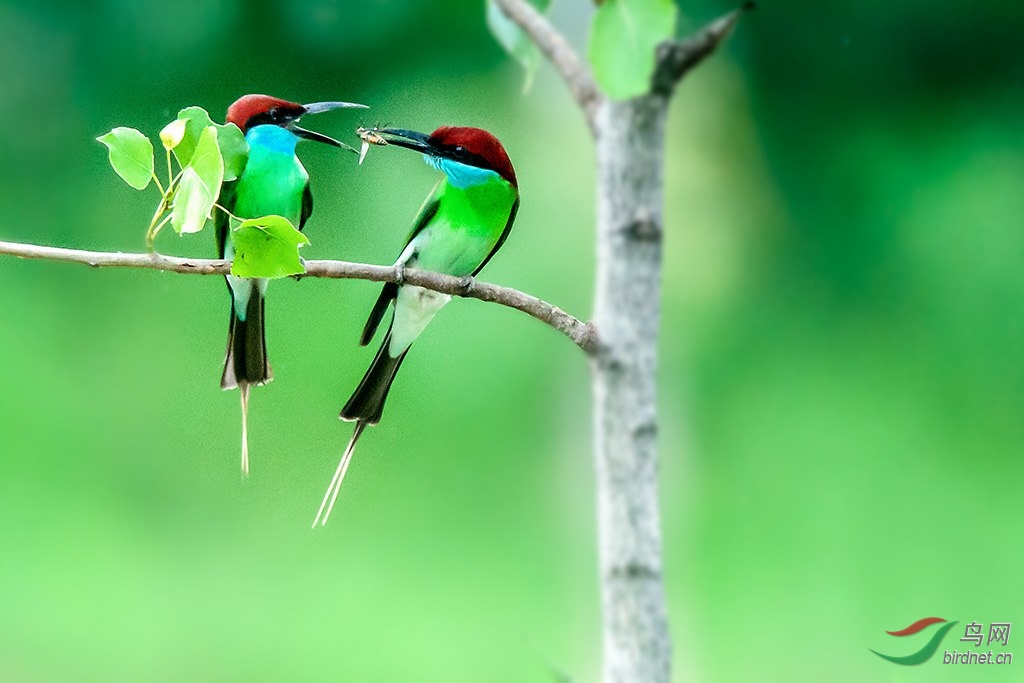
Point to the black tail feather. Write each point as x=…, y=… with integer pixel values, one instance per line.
x=246, y=359
x=389, y=292
x=367, y=402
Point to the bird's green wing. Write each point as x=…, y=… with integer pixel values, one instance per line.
x=307, y=207
x=504, y=236
x=221, y=221
x=427, y=211
x=390, y=289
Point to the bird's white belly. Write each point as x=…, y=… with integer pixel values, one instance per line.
x=241, y=288
x=415, y=307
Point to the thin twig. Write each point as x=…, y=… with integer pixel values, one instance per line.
x=581, y=333
x=556, y=48
x=677, y=57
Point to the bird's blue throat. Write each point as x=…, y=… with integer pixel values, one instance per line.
x=461, y=175
x=272, y=139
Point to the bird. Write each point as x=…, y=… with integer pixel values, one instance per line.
x=273, y=182
x=462, y=224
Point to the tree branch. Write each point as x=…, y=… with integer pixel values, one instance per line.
x=581, y=333
x=677, y=57
x=627, y=309
x=556, y=48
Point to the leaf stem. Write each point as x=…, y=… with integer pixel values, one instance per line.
x=229, y=214
x=155, y=224
x=170, y=171
x=159, y=186
x=160, y=225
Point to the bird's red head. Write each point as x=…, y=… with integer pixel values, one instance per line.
x=473, y=146
x=253, y=110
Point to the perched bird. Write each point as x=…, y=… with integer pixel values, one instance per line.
x=460, y=227
x=273, y=182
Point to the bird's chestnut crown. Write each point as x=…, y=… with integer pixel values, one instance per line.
x=475, y=147
x=256, y=110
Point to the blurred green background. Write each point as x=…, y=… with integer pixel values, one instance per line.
x=841, y=374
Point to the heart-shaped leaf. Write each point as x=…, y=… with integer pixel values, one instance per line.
x=193, y=202
x=199, y=186
x=233, y=147
x=131, y=156
x=196, y=121
x=267, y=247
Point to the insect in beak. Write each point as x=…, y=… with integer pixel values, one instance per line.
x=369, y=137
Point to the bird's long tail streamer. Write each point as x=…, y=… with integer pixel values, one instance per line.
x=327, y=504
x=243, y=391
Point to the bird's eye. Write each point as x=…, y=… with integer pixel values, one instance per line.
x=274, y=114
x=460, y=151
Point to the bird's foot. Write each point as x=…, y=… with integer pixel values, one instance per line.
x=299, y=276
x=399, y=274
x=466, y=284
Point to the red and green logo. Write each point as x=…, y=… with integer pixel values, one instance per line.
x=929, y=648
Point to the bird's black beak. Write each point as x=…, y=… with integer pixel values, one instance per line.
x=320, y=107
x=410, y=139
x=317, y=108
x=320, y=137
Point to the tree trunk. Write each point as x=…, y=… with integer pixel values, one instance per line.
x=627, y=312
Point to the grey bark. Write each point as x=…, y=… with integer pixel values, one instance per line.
x=627, y=313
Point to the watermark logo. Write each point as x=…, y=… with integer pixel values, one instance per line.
x=998, y=633
x=925, y=653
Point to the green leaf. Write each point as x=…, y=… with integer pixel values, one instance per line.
x=131, y=156
x=232, y=144
x=623, y=40
x=516, y=43
x=196, y=121
x=193, y=202
x=233, y=148
x=207, y=161
x=199, y=187
x=267, y=247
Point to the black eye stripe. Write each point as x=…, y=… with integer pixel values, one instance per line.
x=274, y=117
x=259, y=120
x=463, y=155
